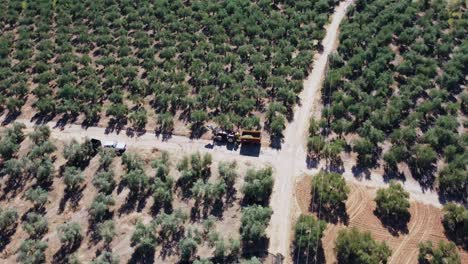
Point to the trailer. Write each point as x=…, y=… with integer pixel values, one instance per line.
x=250, y=137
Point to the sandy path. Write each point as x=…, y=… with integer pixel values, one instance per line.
x=290, y=162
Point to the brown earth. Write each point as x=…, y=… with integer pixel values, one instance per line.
x=425, y=223
x=59, y=212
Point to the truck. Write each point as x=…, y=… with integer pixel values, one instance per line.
x=229, y=136
x=250, y=137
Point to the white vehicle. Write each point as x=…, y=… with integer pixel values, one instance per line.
x=119, y=147
x=109, y=144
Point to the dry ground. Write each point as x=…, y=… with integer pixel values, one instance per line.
x=425, y=223
x=58, y=212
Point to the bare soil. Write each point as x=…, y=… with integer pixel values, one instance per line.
x=425, y=223
x=59, y=212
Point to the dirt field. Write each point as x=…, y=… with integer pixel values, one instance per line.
x=59, y=211
x=425, y=223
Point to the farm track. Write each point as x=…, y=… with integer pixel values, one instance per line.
x=289, y=162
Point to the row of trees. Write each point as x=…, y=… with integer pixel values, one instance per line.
x=397, y=78
x=209, y=60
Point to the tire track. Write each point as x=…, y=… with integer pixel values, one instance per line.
x=419, y=226
x=356, y=204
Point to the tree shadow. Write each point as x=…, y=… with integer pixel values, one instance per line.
x=332, y=214
x=306, y=258
x=197, y=131
x=61, y=256
x=10, y=118
x=115, y=125
x=64, y=120
x=312, y=162
x=255, y=248
x=40, y=118
x=393, y=174
x=336, y=165
x=73, y=196
x=142, y=256
x=133, y=202
x=395, y=226
x=276, y=142
x=5, y=236
x=361, y=172
x=425, y=177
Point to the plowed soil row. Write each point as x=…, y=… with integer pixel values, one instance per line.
x=425, y=224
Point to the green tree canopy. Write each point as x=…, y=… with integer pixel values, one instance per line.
x=353, y=246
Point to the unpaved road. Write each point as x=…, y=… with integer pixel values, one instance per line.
x=288, y=162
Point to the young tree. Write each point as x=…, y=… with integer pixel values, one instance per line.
x=100, y=207
x=138, y=118
x=353, y=246
x=79, y=154
x=132, y=161
x=444, y=253
x=308, y=233
x=8, y=218
x=73, y=177
x=254, y=221
x=165, y=122
x=258, y=185
x=228, y=172
x=35, y=225
x=187, y=247
x=106, y=231
x=106, y=156
x=104, y=181
x=32, y=251
x=137, y=181
x=106, y=257
x=40, y=134
x=37, y=196
x=170, y=224
x=70, y=234
x=393, y=204
x=144, y=237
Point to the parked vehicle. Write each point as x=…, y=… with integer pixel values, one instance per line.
x=251, y=137
x=119, y=147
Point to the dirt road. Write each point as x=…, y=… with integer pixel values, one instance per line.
x=288, y=162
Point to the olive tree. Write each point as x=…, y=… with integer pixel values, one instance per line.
x=353, y=246
x=445, y=252
x=329, y=192
x=32, y=251
x=70, y=234
x=254, y=221
x=35, y=225
x=308, y=232
x=258, y=185
x=393, y=204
